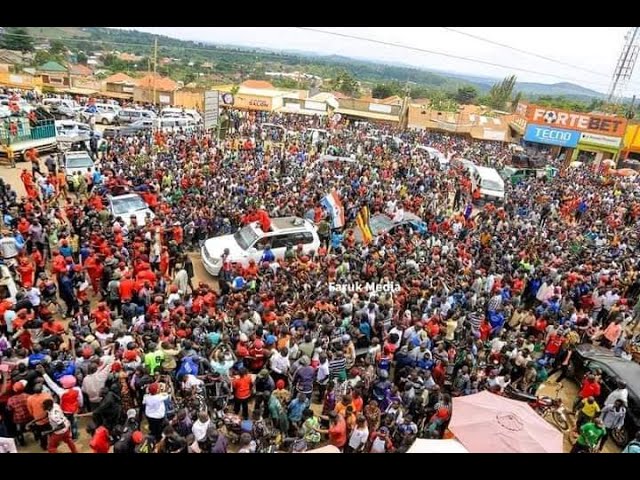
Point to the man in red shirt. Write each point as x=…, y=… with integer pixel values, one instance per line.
x=590, y=388
x=337, y=430
x=242, y=385
x=554, y=344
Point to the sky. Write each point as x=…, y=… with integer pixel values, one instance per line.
x=593, y=50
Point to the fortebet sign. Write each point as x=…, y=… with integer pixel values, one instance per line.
x=581, y=122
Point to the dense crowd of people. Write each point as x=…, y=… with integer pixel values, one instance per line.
x=109, y=322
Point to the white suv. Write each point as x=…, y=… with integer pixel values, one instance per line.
x=249, y=242
x=104, y=113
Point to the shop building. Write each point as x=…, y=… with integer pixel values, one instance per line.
x=585, y=137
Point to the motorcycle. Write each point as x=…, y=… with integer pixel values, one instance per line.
x=544, y=405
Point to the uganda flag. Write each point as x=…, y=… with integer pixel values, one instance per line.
x=362, y=220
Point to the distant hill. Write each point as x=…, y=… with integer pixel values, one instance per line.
x=247, y=58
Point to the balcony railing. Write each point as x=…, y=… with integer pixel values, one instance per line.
x=25, y=132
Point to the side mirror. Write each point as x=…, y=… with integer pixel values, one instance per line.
x=253, y=250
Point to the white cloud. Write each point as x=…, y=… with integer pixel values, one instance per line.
x=591, y=48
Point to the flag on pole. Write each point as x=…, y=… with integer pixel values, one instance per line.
x=362, y=220
x=332, y=203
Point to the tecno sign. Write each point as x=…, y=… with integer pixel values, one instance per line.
x=602, y=124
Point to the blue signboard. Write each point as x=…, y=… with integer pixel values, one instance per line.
x=551, y=136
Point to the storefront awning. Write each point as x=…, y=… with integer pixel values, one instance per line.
x=78, y=91
x=118, y=95
x=369, y=115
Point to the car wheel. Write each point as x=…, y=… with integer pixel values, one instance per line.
x=620, y=436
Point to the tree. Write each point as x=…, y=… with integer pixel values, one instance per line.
x=501, y=93
x=17, y=38
x=384, y=90
x=345, y=83
x=466, y=95
x=56, y=47
x=82, y=58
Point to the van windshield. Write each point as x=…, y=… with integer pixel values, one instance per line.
x=245, y=237
x=492, y=185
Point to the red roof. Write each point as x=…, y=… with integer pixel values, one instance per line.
x=79, y=69
x=164, y=84
x=120, y=78
x=257, y=84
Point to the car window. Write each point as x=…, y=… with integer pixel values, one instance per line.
x=128, y=204
x=302, y=238
x=282, y=241
x=262, y=243
x=245, y=237
x=79, y=162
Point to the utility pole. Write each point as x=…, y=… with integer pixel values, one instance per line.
x=404, y=112
x=625, y=66
x=155, y=68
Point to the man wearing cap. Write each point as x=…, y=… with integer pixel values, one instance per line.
x=17, y=407
x=70, y=395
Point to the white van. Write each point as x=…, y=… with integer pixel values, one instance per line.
x=173, y=112
x=174, y=124
x=489, y=182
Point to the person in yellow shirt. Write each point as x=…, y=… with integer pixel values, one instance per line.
x=588, y=409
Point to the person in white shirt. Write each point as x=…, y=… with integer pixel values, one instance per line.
x=60, y=426
x=280, y=362
x=155, y=409
x=620, y=393
x=200, y=426
x=359, y=435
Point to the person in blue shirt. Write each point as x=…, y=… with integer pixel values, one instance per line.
x=96, y=177
x=65, y=248
x=85, y=251
x=238, y=283
x=268, y=255
x=633, y=446
x=336, y=240
x=296, y=407
x=365, y=329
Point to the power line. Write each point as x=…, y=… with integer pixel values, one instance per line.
x=449, y=55
x=543, y=57
x=217, y=50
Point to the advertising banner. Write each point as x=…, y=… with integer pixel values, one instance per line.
x=599, y=140
x=211, y=109
x=252, y=102
x=581, y=122
x=551, y=136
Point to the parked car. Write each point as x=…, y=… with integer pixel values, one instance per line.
x=130, y=205
x=62, y=107
x=69, y=131
x=131, y=115
x=381, y=224
x=249, y=242
x=172, y=112
x=73, y=162
x=588, y=358
x=103, y=113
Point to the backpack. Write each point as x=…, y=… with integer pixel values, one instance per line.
x=188, y=367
